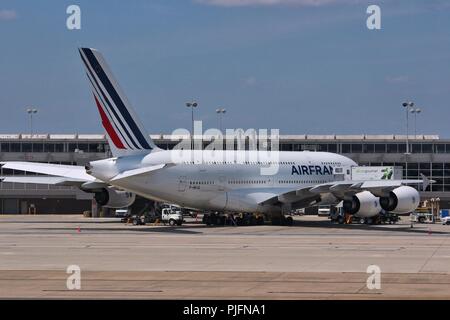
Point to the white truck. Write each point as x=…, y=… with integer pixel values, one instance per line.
x=168, y=215
x=171, y=216
x=323, y=211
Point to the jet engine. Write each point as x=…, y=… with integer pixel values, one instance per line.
x=110, y=197
x=401, y=200
x=363, y=204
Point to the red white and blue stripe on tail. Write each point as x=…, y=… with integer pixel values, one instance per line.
x=125, y=133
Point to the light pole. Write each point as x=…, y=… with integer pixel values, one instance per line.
x=220, y=112
x=408, y=106
x=192, y=105
x=415, y=111
x=31, y=111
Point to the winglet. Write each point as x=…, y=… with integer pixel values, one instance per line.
x=425, y=182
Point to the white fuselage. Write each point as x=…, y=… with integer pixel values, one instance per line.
x=206, y=181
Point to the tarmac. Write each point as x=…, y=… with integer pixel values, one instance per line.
x=314, y=259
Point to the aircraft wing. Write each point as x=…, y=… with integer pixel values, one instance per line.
x=297, y=198
x=307, y=195
x=377, y=187
x=70, y=173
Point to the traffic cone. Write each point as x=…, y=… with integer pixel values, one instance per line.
x=78, y=229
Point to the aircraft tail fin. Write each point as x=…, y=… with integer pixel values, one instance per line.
x=126, y=134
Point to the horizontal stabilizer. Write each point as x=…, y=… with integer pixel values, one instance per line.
x=136, y=172
x=60, y=181
x=66, y=171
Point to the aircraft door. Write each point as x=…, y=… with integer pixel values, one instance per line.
x=222, y=181
x=338, y=174
x=182, y=184
x=342, y=173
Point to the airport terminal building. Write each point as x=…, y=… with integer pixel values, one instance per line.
x=428, y=154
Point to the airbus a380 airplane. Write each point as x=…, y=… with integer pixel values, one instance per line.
x=218, y=181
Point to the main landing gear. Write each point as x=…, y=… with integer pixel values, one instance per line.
x=244, y=219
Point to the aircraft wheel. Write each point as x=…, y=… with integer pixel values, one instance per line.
x=221, y=220
x=362, y=221
x=276, y=221
x=172, y=222
x=260, y=221
x=289, y=221
x=340, y=219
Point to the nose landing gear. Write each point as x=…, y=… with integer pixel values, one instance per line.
x=282, y=220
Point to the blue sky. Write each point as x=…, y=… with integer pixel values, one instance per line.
x=303, y=66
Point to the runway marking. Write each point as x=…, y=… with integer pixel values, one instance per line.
x=322, y=292
x=432, y=255
x=102, y=290
x=321, y=281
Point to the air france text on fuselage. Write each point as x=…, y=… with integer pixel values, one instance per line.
x=311, y=170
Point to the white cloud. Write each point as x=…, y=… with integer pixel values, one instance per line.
x=6, y=15
x=242, y=3
x=249, y=81
x=397, y=79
